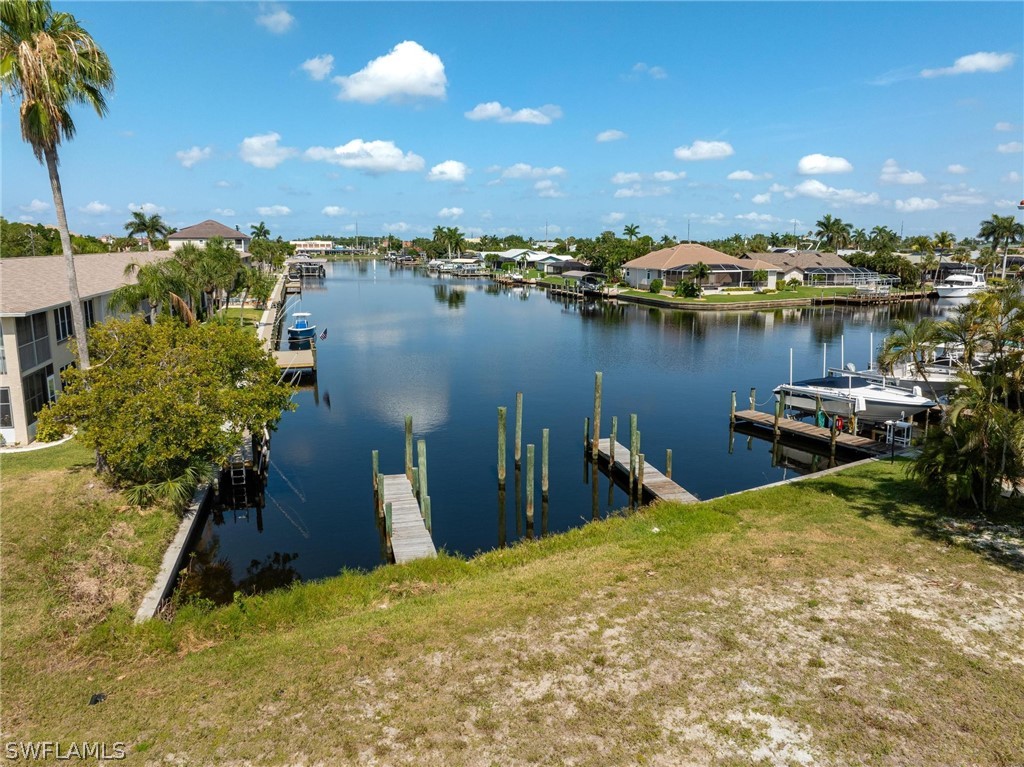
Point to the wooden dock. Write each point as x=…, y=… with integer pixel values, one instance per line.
x=656, y=484
x=792, y=427
x=296, y=360
x=409, y=537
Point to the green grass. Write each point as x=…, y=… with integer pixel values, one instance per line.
x=834, y=608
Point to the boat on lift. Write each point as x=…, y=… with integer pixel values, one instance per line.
x=847, y=394
x=301, y=327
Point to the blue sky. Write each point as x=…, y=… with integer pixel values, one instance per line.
x=560, y=118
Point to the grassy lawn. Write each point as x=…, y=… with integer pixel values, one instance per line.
x=250, y=317
x=801, y=293
x=829, y=622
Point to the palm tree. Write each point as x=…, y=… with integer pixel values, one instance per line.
x=699, y=272
x=151, y=226
x=51, y=63
x=883, y=239
x=860, y=239
x=834, y=231
x=911, y=343
x=631, y=231
x=944, y=240
x=1001, y=229
x=260, y=231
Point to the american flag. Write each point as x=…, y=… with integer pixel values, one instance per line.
x=323, y=336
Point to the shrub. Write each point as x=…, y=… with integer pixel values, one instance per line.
x=687, y=290
x=656, y=285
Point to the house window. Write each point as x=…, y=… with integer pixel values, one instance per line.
x=37, y=388
x=6, y=414
x=87, y=310
x=33, y=340
x=62, y=323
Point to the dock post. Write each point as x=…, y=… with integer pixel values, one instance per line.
x=778, y=414
x=611, y=443
x=421, y=446
x=408, y=447
x=732, y=407
x=753, y=398
x=425, y=511
x=633, y=449
x=832, y=442
x=597, y=413
x=586, y=434
x=387, y=519
x=853, y=421
x=529, y=490
x=544, y=463
x=416, y=482
x=519, y=427
x=375, y=460
x=640, y=478
x=380, y=494
x=668, y=463
x=501, y=445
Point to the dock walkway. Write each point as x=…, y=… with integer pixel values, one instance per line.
x=655, y=483
x=409, y=537
x=862, y=445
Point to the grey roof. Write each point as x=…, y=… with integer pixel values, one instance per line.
x=33, y=283
x=207, y=229
x=799, y=259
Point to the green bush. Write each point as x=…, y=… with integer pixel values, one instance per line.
x=656, y=285
x=687, y=290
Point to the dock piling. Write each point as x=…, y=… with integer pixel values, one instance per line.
x=732, y=407
x=519, y=428
x=502, y=411
x=668, y=463
x=544, y=462
x=529, y=490
x=598, y=381
x=408, y=447
x=421, y=446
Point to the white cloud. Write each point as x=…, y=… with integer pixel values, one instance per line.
x=757, y=218
x=893, y=174
x=274, y=210
x=493, y=110
x=274, y=18
x=761, y=199
x=815, y=164
x=975, y=62
x=704, y=150
x=626, y=178
x=263, y=151
x=668, y=175
x=36, y=206
x=637, y=191
x=1012, y=148
x=610, y=135
x=450, y=212
x=449, y=170
x=969, y=197
x=915, y=204
x=95, y=208
x=548, y=188
x=1004, y=126
x=613, y=218
x=189, y=157
x=746, y=175
x=147, y=207
x=369, y=156
x=319, y=67
x=715, y=218
x=819, y=191
x=224, y=211
x=778, y=188
x=957, y=169
x=222, y=184
x=657, y=73
x=408, y=71
x=1012, y=177
x=522, y=170
x=398, y=227
x=335, y=211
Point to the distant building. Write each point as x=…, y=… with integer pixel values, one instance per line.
x=813, y=267
x=200, y=234
x=671, y=265
x=36, y=327
x=312, y=247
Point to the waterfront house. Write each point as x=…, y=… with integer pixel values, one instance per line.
x=672, y=265
x=814, y=267
x=36, y=332
x=201, y=233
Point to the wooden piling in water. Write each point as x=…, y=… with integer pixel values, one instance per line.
x=415, y=482
x=421, y=447
x=375, y=460
x=753, y=398
x=832, y=441
x=501, y=445
x=544, y=463
x=597, y=413
x=408, y=447
x=380, y=494
x=529, y=490
x=586, y=433
x=732, y=407
x=668, y=463
x=387, y=518
x=611, y=447
x=425, y=509
x=633, y=450
x=519, y=428
x=640, y=478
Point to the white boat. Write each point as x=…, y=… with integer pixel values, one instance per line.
x=937, y=377
x=961, y=285
x=301, y=328
x=848, y=394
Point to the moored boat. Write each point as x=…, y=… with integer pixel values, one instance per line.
x=961, y=285
x=849, y=394
x=301, y=327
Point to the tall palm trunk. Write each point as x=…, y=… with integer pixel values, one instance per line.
x=77, y=314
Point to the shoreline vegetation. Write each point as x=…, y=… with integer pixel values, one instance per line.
x=836, y=620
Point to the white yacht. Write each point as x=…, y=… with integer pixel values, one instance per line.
x=961, y=285
x=848, y=394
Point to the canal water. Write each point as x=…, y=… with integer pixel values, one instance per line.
x=449, y=352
